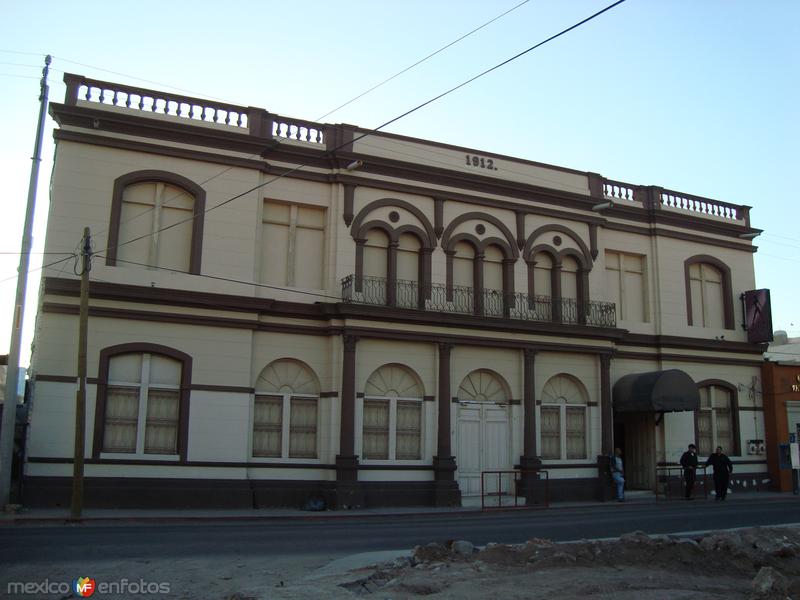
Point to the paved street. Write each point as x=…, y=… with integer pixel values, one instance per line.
x=338, y=535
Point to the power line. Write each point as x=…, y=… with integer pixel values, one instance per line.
x=172, y=87
x=226, y=279
x=778, y=257
x=380, y=127
x=422, y=60
x=326, y=114
x=47, y=266
x=494, y=68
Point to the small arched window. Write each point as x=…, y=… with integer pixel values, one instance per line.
x=142, y=403
x=709, y=300
x=285, y=411
x=392, y=417
x=542, y=275
x=156, y=222
x=715, y=420
x=564, y=419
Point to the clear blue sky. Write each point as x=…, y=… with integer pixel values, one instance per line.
x=700, y=97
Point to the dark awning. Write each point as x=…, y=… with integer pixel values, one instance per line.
x=657, y=391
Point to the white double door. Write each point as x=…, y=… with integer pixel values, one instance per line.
x=483, y=444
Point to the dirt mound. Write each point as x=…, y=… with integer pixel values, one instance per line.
x=756, y=564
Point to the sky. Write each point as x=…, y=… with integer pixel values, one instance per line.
x=695, y=96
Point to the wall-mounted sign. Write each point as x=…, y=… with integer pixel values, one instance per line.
x=758, y=316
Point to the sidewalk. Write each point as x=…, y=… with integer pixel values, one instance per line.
x=32, y=516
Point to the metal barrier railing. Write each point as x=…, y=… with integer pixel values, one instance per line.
x=503, y=489
x=670, y=482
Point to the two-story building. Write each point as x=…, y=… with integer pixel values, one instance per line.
x=283, y=310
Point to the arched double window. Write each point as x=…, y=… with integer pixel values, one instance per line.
x=142, y=401
x=156, y=222
x=392, y=417
x=286, y=411
x=563, y=419
x=394, y=242
x=558, y=274
x=709, y=299
x=716, y=419
x=480, y=278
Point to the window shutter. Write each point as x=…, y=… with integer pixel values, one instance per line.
x=161, y=426
x=551, y=432
x=267, y=426
x=303, y=428
x=576, y=432
x=376, y=429
x=409, y=427
x=122, y=415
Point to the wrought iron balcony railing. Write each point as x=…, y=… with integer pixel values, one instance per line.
x=469, y=301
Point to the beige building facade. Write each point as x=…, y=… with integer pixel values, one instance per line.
x=283, y=310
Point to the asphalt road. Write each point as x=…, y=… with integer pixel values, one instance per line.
x=341, y=536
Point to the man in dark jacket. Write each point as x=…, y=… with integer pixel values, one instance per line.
x=689, y=464
x=723, y=467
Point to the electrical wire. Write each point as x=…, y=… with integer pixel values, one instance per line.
x=319, y=118
x=47, y=266
x=380, y=127
x=226, y=279
x=420, y=61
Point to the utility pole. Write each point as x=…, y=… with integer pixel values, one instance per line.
x=80, y=400
x=12, y=374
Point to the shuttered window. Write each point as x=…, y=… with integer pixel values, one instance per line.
x=142, y=404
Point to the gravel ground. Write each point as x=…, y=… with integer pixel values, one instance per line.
x=753, y=564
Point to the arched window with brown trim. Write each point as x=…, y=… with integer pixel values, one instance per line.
x=409, y=270
x=709, y=296
x=717, y=419
x=286, y=411
x=461, y=288
x=142, y=401
x=376, y=266
x=156, y=222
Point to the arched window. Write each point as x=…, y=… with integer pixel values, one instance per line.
x=715, y=420
x=494, y=298
x=706, y=290
x=564, y=419
x=709, y=300
x=285, y=413
x=392, y=423
x=376, y=262
x=409, y=270
x=142, y=401
x=156, y=222
x=483, y=386
x=463, y=288
x=542, y=275
x=569, y=278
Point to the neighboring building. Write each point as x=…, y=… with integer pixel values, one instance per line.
x=781, y=376
x=379, y=326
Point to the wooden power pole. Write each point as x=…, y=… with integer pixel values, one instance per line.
x=80, y=401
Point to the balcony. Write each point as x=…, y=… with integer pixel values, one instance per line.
x=468, y=301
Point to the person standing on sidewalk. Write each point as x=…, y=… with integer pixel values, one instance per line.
x=617, y=473
x=689, y=464
x=723, y=467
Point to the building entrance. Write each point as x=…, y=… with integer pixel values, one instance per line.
x=634, y=434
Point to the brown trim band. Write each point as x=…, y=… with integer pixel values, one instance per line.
x=187, y=133
x=236, y=389
x=688, y=358
x=188, y=463
x=659, y=341
x=55, y=378
x=63, y=379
